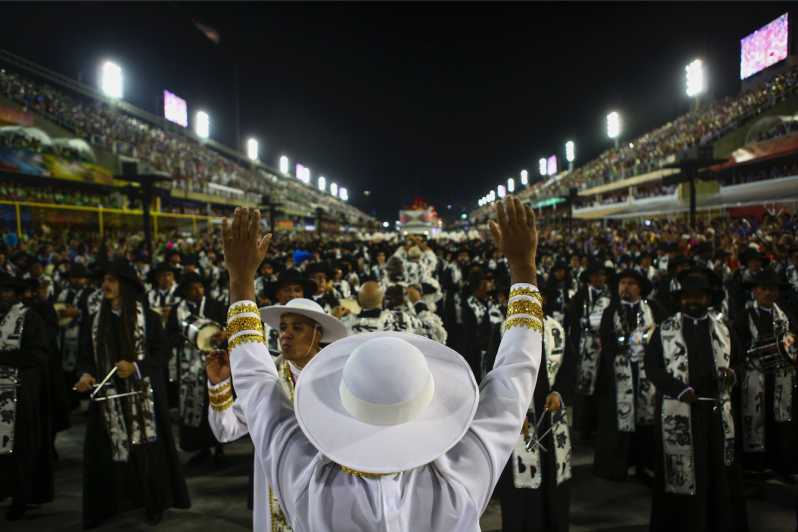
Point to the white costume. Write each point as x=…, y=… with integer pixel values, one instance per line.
x=446, y=492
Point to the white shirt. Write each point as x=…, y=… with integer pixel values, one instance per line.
x=449, y=494
x=230, y=425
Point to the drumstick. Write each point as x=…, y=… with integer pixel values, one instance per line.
x=116, y=396
x=102, y=383
x=540, y=421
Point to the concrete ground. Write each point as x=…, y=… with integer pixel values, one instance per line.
x=219, y=499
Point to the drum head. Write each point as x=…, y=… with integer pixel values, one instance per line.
x=205, y=335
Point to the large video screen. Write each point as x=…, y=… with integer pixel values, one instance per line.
x=766, y=46
x=551, y=165
x=175, y=109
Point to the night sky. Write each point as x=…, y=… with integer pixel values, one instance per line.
x=440, y=101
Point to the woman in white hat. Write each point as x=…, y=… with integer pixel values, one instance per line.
x=304, y=328
x=387, y=431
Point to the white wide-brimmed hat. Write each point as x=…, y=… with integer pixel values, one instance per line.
x=332, y=328
x=385, y=402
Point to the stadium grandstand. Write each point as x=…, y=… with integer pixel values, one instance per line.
x=63, y=146
x=746, y=146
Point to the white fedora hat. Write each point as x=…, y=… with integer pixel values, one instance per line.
x=385, y=402
x=332, y=329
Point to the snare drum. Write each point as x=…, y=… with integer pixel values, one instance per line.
x=200, y=333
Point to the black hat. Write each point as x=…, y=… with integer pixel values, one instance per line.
x=189, y=259
x=290, y=276
x=187, y=279
x=753, y=254
x=171, y=253
x=766, y=277
x=595, y=266
x=700, y=280
x=318, y=267
x=78, y=270
x=159, y=268
x=679, y=260
x=125, y=272
x=642, y=281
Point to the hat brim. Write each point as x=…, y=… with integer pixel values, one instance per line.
x=308, y=287
x=332, y=328
x=379, y=448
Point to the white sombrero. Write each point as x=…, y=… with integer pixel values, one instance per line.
x=331, y=328
x=385, y=402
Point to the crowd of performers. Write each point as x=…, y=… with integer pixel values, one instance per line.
x=656, y=344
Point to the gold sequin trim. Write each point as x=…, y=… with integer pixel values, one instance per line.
x=362, y=474
x=244, y=324
x=221, y=390
x=221, y=407
x=525, y=306
x=235, y=310
x=244, y=339
x=529, y=323
x=523, y=291
x=220, y=398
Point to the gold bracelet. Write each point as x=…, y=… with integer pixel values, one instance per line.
x=525, y=306
x=524, y=291
x=244, y=339
x=244, y=324
x=220, y=389
x=224, y=406
x=235, y=310
x=221, y=398
x=529, y=323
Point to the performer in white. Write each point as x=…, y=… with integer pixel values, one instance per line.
x=387, y=431
x=303, y=327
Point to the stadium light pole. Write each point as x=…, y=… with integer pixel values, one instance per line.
x=614, y=127
x=570, y=154
x=510, y=185
x=334, y=189
x=284, y=165
x=525, y=178
x=202, y=125
x=252, y=149
x=695, y=81
x=111, y=80
x=542, y=166
x=322, y=183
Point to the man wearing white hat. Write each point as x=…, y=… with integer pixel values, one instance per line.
x=303, y=327
x=387, y=431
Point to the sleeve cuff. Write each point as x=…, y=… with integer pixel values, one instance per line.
x=525, y=308
x=220, y=387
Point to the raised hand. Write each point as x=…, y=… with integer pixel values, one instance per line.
x=516, y=236
x=244, y=251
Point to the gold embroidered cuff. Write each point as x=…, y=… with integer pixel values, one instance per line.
x=529, y=323
x=244, y=339
x=525, y=306
x=236, y=325
x=220, y=399
x=222, y=406
x=220, y=389
x=524, y=291
x=240, y=308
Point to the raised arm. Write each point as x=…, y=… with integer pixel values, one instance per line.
x=478, y=459
x=266, y=409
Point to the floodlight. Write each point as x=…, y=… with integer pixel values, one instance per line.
x=614, y=125
x=202, y=124
x=252, y=149
x=111, y=82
